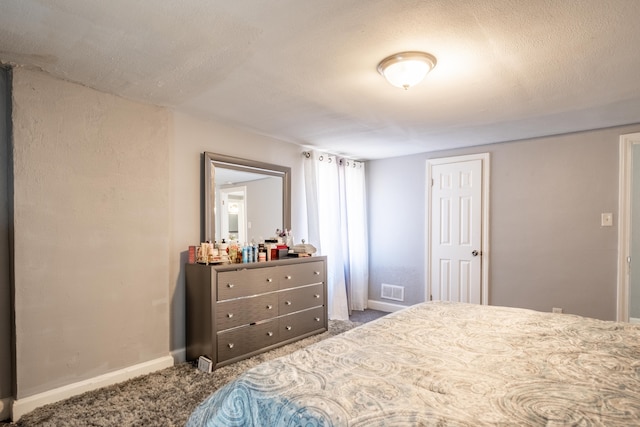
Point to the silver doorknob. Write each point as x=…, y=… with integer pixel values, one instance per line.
x=475, y=253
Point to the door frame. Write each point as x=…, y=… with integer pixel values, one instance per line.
x=224, y=211
x=485, y=158
x=627, y=142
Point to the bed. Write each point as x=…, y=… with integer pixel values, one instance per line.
x=446, y=364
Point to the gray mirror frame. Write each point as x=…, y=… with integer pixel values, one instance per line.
x=211, y=160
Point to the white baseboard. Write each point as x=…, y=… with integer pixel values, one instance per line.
x=5, y=408
x=384, y=306
x=28, y=404
x=634, y=320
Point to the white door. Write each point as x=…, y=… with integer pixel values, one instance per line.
x=628, y=230
x=233, y=202
x=456, y=230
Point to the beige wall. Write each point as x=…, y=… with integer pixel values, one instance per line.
x=546, y=244
x=108, y=199
x=191, y=138
x=92, y=221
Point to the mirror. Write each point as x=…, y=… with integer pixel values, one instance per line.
x=244, y=199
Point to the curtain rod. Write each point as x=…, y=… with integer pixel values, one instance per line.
x=307, y=154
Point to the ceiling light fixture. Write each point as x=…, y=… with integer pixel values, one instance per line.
x=406, y=69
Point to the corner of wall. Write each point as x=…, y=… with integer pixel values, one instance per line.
x=179, y=355
x=5, y=408
x=7, y=310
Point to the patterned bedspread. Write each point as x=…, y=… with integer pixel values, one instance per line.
x=446, y=364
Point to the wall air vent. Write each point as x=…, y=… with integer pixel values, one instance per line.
x=393, y=292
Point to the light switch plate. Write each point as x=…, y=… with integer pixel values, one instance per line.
x=606, y=220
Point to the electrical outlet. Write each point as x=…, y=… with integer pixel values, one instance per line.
x=205, y=364
x=556, y=310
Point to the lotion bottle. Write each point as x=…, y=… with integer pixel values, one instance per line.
x=245, y=253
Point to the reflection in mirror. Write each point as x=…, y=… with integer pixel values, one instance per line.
x=245, y=200
x=231, y=204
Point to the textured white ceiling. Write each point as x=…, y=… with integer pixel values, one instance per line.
x=305, y=71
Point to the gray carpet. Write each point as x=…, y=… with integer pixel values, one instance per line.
x=367, y=315
x=163, y=398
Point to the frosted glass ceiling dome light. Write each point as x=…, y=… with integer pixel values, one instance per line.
x=406, y=69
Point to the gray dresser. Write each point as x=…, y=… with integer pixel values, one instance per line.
x=235, y=311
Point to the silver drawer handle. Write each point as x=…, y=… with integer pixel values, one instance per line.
x=317, y=319
x=317, y=296
x=317, y=273
x=230, y=345
x=287, y=277
x=288, y=328
x=287, y=302
x=269, y=307
x=230, y=315
x=270, y=333
x=230, y=285
x=269, y=280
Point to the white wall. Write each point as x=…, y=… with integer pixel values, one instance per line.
x=92, y=221
x=547, y=247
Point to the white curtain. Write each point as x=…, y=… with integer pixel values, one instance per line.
x=336, y=210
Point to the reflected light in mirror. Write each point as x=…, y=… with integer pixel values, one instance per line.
x=262, y=192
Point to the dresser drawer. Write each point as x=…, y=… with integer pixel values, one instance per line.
x=300, y=298
x=235, y=311
x=246, y=339
x=301, y=274
x=243, y=311
x=246, y=282
x=301, y=323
